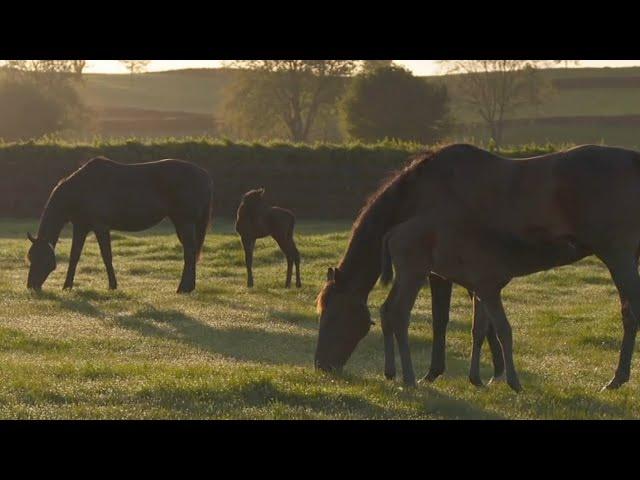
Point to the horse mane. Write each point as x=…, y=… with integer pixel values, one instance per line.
x=376, y=215
x=391, y=186
x=321, y=299
x=252, y=194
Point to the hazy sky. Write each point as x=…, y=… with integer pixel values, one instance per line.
x=419, y=67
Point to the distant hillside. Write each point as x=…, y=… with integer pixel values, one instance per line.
x=584, y=94
x=194, y=90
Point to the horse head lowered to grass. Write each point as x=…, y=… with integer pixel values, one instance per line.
x=480, y=220
x=104, y=195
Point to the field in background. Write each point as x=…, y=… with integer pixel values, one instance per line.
x=229, y=352
x=184, y=99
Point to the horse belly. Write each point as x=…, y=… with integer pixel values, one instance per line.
x=134, y=223
x=132, y=215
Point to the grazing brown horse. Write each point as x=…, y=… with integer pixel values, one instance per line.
x=480, y=220
x=255, y=219
x=104, y=195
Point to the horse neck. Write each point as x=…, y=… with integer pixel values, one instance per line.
x=53, y=218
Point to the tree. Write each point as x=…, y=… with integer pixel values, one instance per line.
x=369, y=66
x=48, y=71
x=78, y=67
x=391, y=102
x=496, y=88
x=135, y=66
x=30, y=110
x=285, y=95
x=38, y=97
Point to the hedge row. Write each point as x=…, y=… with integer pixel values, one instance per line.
x=317, y=181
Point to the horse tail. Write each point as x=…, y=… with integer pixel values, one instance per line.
x=204, y=222
x=386, y=265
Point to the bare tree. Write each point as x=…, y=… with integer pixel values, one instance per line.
x=135, y=66
x=496, y=88
x=47, y=71
x=41, y=66
x=78, y=67
x=293, y=92
x=369, y=66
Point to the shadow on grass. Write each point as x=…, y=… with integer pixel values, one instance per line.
x=578, y=405
x=265, y=393
x=80, y=301
x=12, y=340
x=239, y=343
x=605, y=342
x=260, y=393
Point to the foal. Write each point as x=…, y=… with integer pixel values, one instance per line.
x=255, y=219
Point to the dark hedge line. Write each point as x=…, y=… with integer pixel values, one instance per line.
x=319, y=181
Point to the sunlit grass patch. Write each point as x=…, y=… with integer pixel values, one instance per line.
x=226, y=351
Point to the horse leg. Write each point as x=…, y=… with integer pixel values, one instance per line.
x=248, y=244
x=104, y=242
x=387, y=334
x=479, y=331
x=287, y=247
x=440, y=304
x=397, y=310
x=492, y=302
x=624, y=273
x=187, y=235
x=296, y=260
x=287, y=283
x=496, y=354
x=77, y=242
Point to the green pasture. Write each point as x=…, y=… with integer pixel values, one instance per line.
x=226, y=352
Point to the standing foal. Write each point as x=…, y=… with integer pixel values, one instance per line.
x=255, y=219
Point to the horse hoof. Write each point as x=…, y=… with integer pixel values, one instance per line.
x=497, y=379
x=389, y=376
x=614, y=384
x=476, y=381
x=409, y=383
x=298, y=285
x=67, y=287
x=431, y=376
x=515, y=385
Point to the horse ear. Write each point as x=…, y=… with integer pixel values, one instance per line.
x=330, y=274
x=30, y=237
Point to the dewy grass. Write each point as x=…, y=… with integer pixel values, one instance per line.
x=229, y=352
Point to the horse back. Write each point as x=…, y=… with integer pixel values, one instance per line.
x=132, y=196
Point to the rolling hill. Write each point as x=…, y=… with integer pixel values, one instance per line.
x=586, y=105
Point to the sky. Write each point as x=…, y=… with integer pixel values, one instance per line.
x=418, y=67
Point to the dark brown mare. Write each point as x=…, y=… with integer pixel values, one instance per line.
x=256, y=219
x=104, y=195
x=480, y=220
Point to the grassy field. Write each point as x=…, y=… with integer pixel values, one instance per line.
x=201, y=91
x=229, y=352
